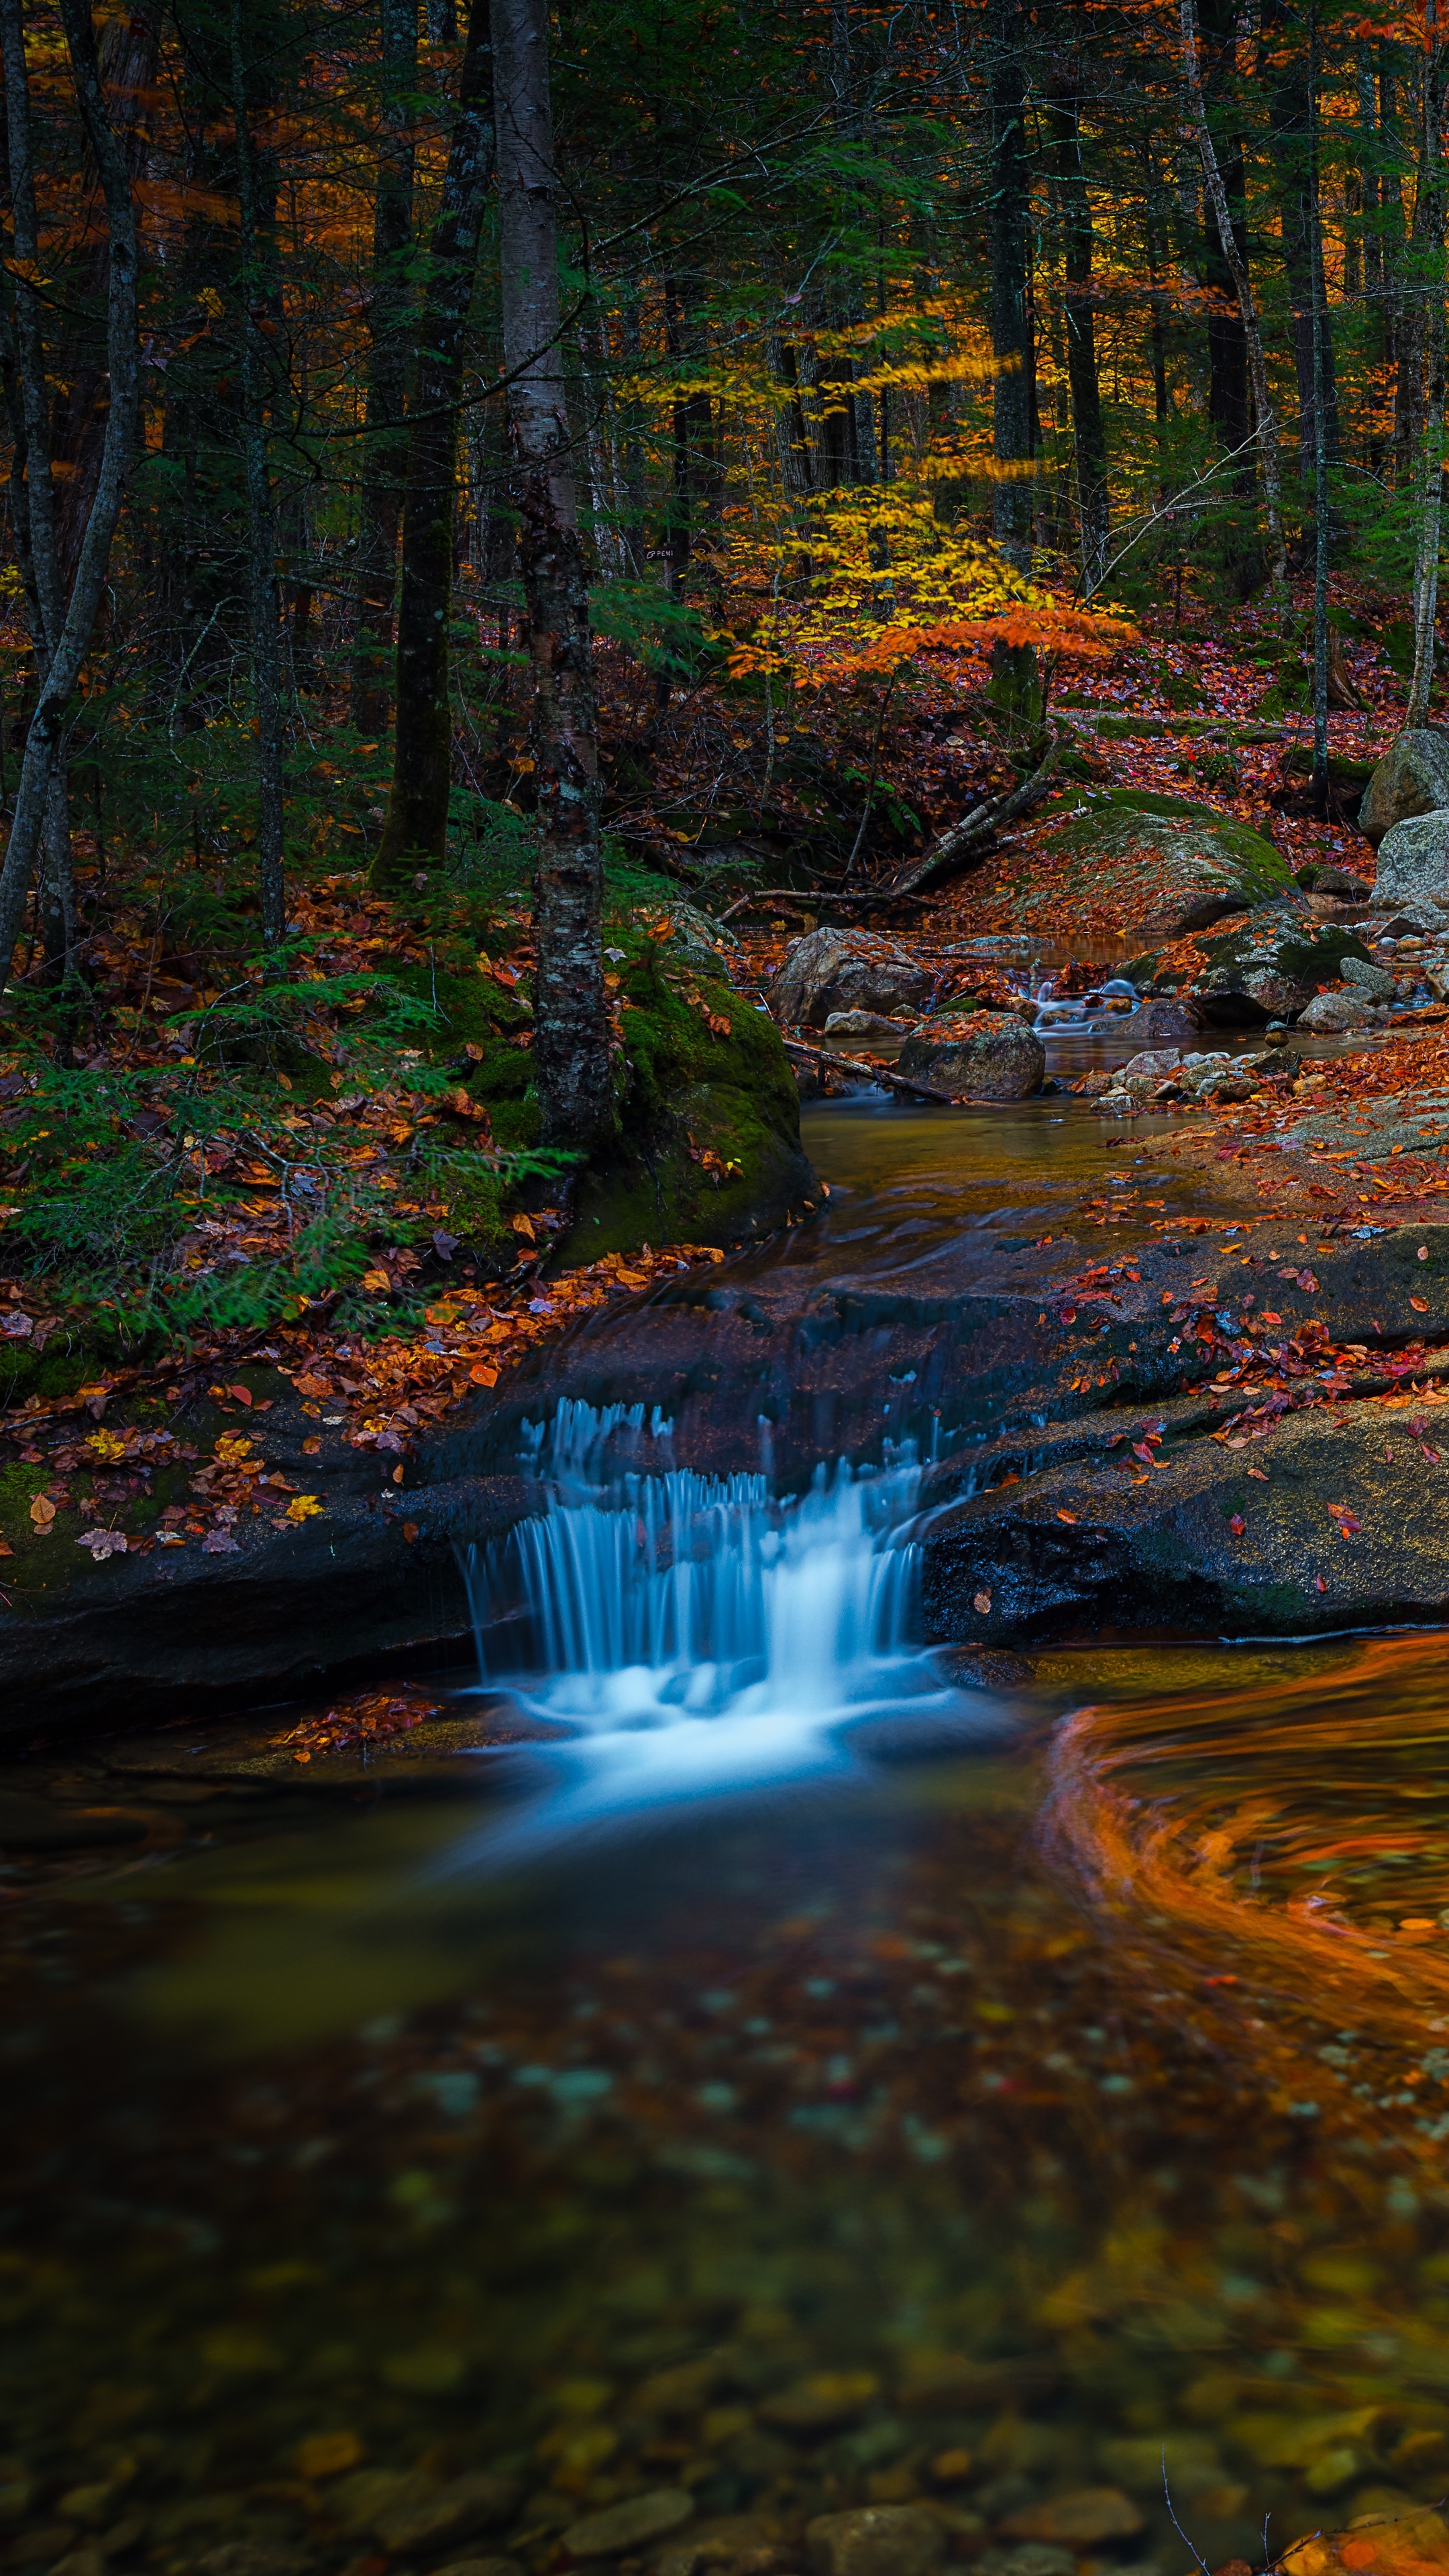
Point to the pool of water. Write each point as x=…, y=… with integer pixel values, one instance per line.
x=795, y=2081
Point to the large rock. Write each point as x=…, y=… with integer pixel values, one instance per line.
x=1414, y=865
x=977, y=1055
x=1334, y=1015
x=1168, y=864
x=1165, y=1019
x=1412, y=778
x=1273, y=966
x=846, y=970
x=1375, y=983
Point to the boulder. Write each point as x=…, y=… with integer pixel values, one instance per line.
x=846, y=970
x=979, y=1055
x=1336, y=881
x=1273, y=966
x=1414, y=865
x=1412, y=778
x=1164, y=1017
x=1333, y=1015
x=1374, y=982
x=1156, y=1061
x=863, y=1024
x=1169, y=864
x=879, y=2540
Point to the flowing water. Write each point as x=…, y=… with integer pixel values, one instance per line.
x=728, y=2060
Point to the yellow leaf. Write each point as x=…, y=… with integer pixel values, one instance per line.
x=523, y=1225
x=303, y=1507
x=377, y=1280
x=42, y=1511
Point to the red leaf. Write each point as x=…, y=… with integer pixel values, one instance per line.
x=1067, y=1516
x=1237, y=1524
x=1318, y=1583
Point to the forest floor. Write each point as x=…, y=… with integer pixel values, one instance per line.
x=162, y=1159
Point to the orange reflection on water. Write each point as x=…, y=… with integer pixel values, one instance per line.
x=1281, y=1846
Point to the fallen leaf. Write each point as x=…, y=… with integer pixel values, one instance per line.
x=311, y=1447
x=523, y=1225
x=482, y=1375
x=1318, y=1584
x=1237, y=1524
x=242, y=1394
x=981, y=1601
x=1258, y=1474
x=42, y=1511
x=378, y=1281
x=410, y=1531
x=103, y=1543
x=1420, y=1305
x=1067, y=1516
x=303, y=1507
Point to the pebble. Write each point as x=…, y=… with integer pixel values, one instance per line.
x=253, y=2558
x=452, y=2512
x=481, y=2567
x=1081, y=2520
x=883, y=2540
x=828, y=2397
x=626, y=2526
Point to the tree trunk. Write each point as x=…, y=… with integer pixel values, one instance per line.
x=415, y=832
x=1228, y=372
x=1237, y=268
x=41, y=763
x=1426, y=553
x=265, y=600
x=571, y=1024
x=1014, y=677
x=1290, y=126
x=385, y=445
x=1318, y=385
x=1088, y=433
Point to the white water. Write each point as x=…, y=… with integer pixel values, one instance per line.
x=700, y=1635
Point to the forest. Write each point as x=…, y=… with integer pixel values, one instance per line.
x=480, y=482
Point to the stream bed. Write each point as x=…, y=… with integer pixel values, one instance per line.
x=799, y=2074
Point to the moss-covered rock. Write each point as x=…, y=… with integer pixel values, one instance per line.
x=1174, y=865
x=1272, y=967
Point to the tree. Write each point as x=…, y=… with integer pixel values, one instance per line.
x=415, y=831
x=1014, y=669
x=384, y=466
x=42, y=765
x=571, y=1025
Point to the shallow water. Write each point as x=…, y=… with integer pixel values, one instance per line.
x=905, y=2091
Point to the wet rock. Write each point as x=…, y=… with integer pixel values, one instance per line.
x=1029, y=2558
x=978, y=1055
x=846, y=970
x=1338, y=882
x=1412, y=778
x=358, y=2500
x=1414, y=866
x=864, y=1024
x=1374, y=982
x=453, y=2512
x=1273, y=966
x=1161, y=1020
x=988, y=1668
x=624, y=2528
x=1332, y=1015
x=681, y=2390
x=81, y=2562
x=747, y=2543
x=1156, y=1062
x=1229, y=1084
x=481, y=2567
x=879, y=2540
x=1082, y=2520
x=946, y=2383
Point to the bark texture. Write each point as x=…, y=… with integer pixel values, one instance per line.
x=385, y=445
x=43, y=747
x=1014, y=671
x=1088, y=431
x=415, y=831
x=265, y=598
x=571, y=1024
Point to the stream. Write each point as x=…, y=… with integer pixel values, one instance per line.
x=796, y=2073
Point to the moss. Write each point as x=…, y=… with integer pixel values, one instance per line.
x=1180, y=832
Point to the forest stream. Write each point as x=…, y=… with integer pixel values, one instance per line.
x=736, y=2065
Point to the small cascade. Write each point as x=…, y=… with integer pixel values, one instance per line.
x=696, y=1632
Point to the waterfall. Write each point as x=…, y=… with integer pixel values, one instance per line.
x=698, y=1633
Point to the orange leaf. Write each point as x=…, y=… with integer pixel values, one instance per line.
x=482, y=1375
x=1067, y=1516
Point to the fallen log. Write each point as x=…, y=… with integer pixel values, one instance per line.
x=874, y=1073
x=957, y=847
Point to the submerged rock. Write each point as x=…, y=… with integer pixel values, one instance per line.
x=1414, y=865
x=624, y=2528
x=846, y=970
x=880, y=2540
x=1165, y=1016
x=1082, y=2520
x=1412, y=778
x=864, y=1024
x=977, y=1055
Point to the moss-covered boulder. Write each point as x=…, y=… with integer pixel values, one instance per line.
x=1171, y=865
x=1412, y=778
x=1271, y=968
x=977, y=1055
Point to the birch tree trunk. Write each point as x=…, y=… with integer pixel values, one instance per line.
x=385, y=450
x=41, y=766
x=1242, y=285
x=415, y=832
x=571, y=1025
